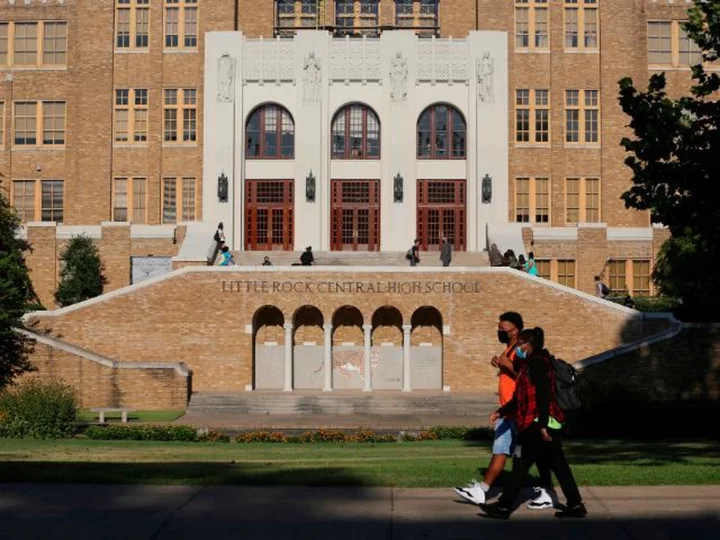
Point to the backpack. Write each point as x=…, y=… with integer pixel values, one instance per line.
x=217, y=236
x=566, y=387
x=409, y=255
x=605, y=289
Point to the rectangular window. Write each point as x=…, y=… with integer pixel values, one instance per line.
x=23, y=199
x=26, y=123
x=419, y=14
x=581, y=25
x=617, y=275
x=55, y=44
x=532, y=111
x=531, y=24
x=532, y=200
x=641, y=278
x=131, y=115
x=294, y=14
x=26, y=44
x=689, y=54
x=566, y=273
x=53, y=123
x=184, y=207
x=357, y=17
x=4, y=49
x=582, y=200
x=52, y=201
x=132, y=24
x=659, y=43
x=181, y=24
x=180, y=104
x=130, y=200
x=543, y=268
x=582, y=116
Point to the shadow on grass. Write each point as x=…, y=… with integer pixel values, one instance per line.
x=185, y=473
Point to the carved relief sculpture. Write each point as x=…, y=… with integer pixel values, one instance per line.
x=311, y=78
x=486, y=78
x=226, y=79
x=398, y=78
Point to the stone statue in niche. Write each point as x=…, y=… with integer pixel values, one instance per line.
x=226, y=79
x=486, y=78
x=312, y=77
x=398, y=78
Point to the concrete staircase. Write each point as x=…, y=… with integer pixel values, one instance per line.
x=359, y=258
x=380, y=403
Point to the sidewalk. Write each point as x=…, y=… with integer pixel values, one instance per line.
x=84, y=512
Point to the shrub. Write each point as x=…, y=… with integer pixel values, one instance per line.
x=39, y=409
x=448, y=433
x=323, y=436
x=143, y=433
x=427, y=436
x=213, y=436
x=261, y=436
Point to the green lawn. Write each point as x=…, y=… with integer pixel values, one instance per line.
x=425, y=464
x=87, y=416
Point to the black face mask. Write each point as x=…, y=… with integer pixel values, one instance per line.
x=503, y=336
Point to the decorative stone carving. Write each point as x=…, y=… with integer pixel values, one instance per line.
x=312, y=77
x=356, y=60
x=398, y=78
x=442, y=60
x=226, y=79
x=486, y=78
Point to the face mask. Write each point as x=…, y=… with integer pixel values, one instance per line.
x=503, y=336
x=521, y=353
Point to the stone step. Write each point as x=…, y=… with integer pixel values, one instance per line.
x=357, y=258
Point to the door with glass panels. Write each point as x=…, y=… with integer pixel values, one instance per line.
x=442, y=211
x=269, y=215
x=355, y=215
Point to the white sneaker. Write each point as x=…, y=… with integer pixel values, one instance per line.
x=543, y=499
x=472, y=493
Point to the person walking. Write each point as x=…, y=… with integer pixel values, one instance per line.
x=530, y=266
x=510, y=325
x=217, y=245
x=413, y=254
x=307, y=258
x=446, y=252
x=539, y=422
x=601, y=290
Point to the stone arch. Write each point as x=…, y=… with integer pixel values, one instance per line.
x=268, y=348
x=387, y=324
x=347, y=324
x=426, y=367
x=308, y=324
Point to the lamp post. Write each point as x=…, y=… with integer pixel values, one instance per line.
x=222, y=188
x=487, y=189
x=398, y=188
x=310, y=187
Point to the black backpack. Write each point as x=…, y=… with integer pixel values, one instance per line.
x=566, y=387
x=605, y=289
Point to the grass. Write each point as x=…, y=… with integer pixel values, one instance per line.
x=424, y=464
x=87, y=416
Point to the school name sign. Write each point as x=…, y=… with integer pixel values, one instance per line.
x=350, y=287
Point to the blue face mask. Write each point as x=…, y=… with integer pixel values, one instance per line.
x=521, y=354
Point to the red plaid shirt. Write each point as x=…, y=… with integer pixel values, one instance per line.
x=526, y=398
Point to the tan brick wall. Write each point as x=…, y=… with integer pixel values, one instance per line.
x=101, y=386
x=188, y=318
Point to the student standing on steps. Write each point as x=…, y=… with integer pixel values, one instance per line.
x=509, y=327
x=539, y=422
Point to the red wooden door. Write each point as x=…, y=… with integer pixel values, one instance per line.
x=269, y=215
x=355, y=214
x=442, y=211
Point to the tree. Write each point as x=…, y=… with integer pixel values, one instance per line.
x=17, y=296
x=675, y=159
x=82, y=275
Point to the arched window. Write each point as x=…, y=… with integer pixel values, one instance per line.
x=270, y=133
x=441, y=133
x=356, y=133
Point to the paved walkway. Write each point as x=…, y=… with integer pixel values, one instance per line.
x=337, y=421
x=84, y=512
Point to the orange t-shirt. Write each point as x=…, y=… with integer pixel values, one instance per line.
x=506, y=384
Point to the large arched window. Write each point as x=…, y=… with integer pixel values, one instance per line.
x=356, y=133
x=270, y=133
x=441, y=133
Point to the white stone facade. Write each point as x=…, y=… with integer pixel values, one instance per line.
x=398, y=75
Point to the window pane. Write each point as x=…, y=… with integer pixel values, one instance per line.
x=3, y=44
x=53, y=123
x=120, y=205
x=522, y=28
x=591, y=126
x=172, y=28
x=659, y=43
x=592, y=200
x=522, y=200
x=571, y=28
x=543, y=268
x=541, y=28
x=188, y=199
x=190, y=27
x=689, y=52
x=591, y=31
x=26, y=123
x=252, y=132
x=169, y=200
x=25, y=44
x=24, y=199
x=572, y=198
x=542, y=200
x=641, y=278
x=566, y=273
x=139, y=214
x=123, y=28
x=52, y=201
x=55, y=44
x=617, y=276
x=572, y=125
x=288, y=136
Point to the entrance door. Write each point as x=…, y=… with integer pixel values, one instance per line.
x=442, y=211
x=355, y=215
x=269, y=215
